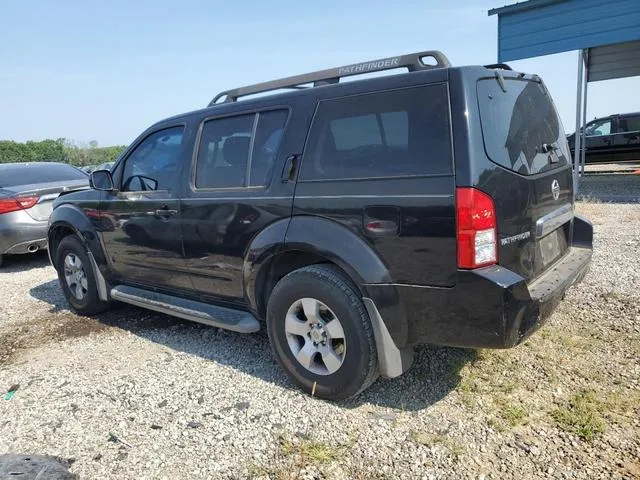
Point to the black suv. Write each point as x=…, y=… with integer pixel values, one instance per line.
x=615, y=138
x=354, y=220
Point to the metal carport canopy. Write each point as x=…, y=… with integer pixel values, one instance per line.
x=606, y=34
x=542, y=27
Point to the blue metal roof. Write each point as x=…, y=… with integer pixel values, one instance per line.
x=542, y=27
x=520, y=6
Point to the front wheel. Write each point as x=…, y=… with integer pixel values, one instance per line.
x=321, y=334
x=76, y=277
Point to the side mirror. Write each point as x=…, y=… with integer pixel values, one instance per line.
x=101, y=180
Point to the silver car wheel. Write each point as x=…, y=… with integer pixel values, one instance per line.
x=75, y=276
x=315, y=336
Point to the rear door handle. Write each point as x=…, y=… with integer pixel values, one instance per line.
x=290, y=167
x=165, y=212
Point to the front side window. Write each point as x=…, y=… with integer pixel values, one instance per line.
x=230, y=155
x=154, y=164
x=597, y=128
x=388, y=134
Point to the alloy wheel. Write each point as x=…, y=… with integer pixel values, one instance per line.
x=315, y=336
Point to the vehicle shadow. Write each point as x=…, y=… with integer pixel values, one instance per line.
x=21, y=263
x=435, y=373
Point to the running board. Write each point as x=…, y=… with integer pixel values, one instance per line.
x=221, y=317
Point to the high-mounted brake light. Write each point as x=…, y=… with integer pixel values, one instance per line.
x=476, y=228
x=8, y=205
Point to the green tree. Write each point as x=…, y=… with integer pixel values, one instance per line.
x=59, y=150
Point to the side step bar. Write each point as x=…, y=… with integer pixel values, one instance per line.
x=221, y=317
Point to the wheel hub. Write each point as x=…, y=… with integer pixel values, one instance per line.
x=318, y=334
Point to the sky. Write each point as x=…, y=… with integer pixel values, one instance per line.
x=105, y=70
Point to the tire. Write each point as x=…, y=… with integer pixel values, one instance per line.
x=81, y=290
x=350, y=351
x=1, y=258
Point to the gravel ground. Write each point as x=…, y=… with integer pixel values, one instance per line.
x=620, y=167
x=610, y=187
x=134, y=394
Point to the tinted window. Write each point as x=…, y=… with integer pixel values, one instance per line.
x=30, y=173
x=154, y=164
x=266, y=146
x=520, y=126
x=229, y=157
x=598, y=128
x=630, y=124
x=390, y=134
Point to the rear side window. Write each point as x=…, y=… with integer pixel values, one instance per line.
x=520, y=126
x=389, y=134
x=630, y=124
x=38, y=172
x=240, y=151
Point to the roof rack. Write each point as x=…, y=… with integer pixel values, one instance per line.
x=411, y=61
x=498, y=66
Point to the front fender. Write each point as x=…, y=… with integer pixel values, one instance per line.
x=70, y=217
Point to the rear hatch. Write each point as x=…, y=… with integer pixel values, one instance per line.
x=532, y=185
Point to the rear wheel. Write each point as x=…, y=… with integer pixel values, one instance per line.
x=76, y=277
x=321, y=334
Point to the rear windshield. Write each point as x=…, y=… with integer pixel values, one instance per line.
x=30, y=173
x=520, y=126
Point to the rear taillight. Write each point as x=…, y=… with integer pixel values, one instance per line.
x=14, y=204
x=476, y=229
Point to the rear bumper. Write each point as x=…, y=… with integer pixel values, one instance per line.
x=18, y=232
x=491, y=307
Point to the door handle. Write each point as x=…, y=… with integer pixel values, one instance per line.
x=165, y=212
x=290, y=167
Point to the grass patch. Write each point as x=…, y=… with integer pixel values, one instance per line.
x=497, y=425
x=430, y=440
x=311, y=451
x=507, y=387
x=512, y=413
x=581, y=415
x=468, y=389
x=622, y=407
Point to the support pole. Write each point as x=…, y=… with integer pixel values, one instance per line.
x=578, y=135
x=583, y=140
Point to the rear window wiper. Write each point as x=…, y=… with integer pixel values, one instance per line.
x=551, y=149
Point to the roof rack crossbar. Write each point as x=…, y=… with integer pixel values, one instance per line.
x=498, y=66
x=411, y=61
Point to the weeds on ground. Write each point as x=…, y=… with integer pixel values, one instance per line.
x=431, y=440
x=581, y=415
x=512, y=413
x=310, y=451
x=295, y=456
